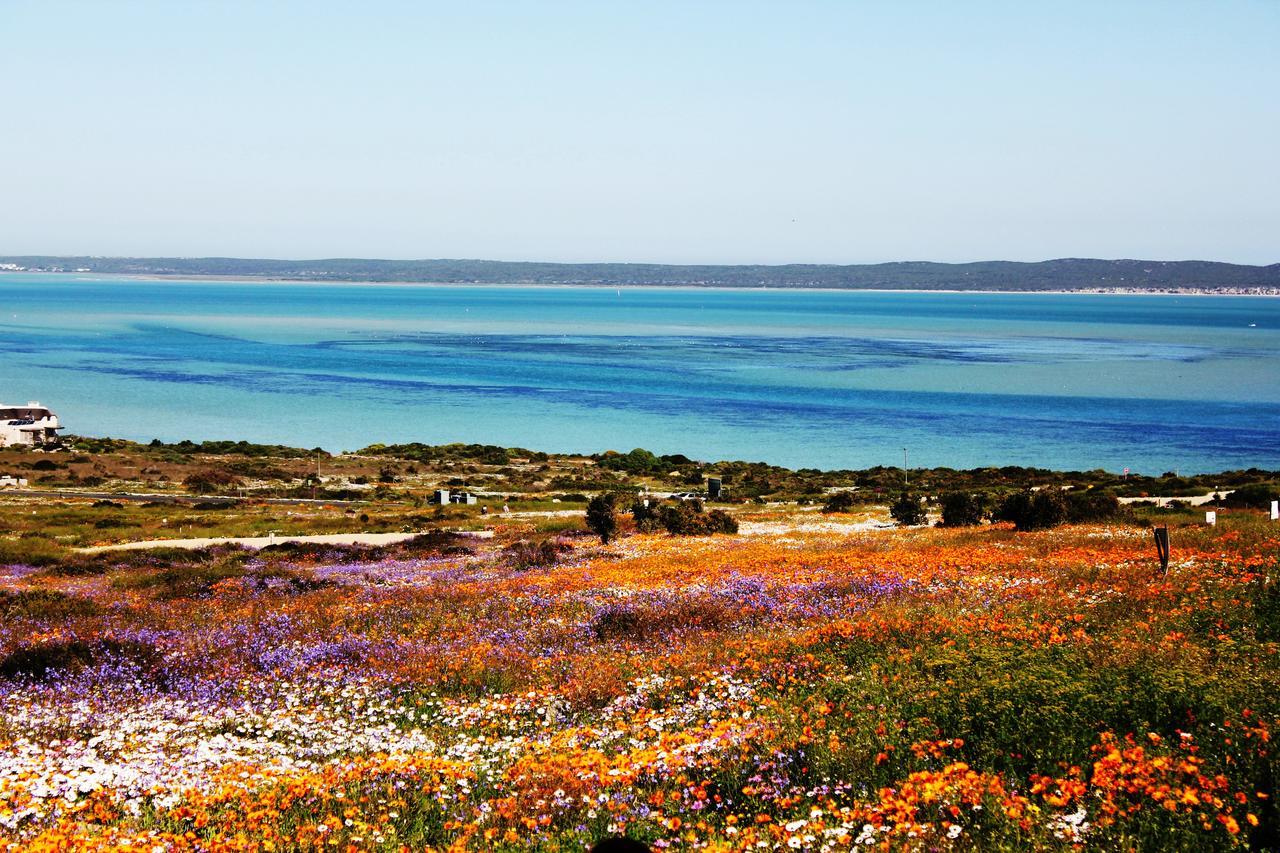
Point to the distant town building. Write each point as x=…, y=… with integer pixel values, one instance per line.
x=32, y=425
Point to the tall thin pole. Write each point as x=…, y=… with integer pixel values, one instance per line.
x=904, y=466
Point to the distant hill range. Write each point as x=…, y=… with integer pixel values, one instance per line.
x=1062, y=274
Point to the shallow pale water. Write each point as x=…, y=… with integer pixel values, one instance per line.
x=822, y=379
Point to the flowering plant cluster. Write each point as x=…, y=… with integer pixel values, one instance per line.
x=784, y=689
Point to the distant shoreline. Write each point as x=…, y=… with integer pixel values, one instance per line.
x=1059, y=275
x=334, y=282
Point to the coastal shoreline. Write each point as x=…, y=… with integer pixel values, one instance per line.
x=248, y=279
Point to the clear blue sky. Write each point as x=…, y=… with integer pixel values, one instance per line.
x=718, y=132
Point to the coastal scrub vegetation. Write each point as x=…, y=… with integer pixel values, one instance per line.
x=410, y=472
x=1022, y=675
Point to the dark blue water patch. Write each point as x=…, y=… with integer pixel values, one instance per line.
x=1039, y=412
x=1067, y=429
x=554, y=360
x=765, y=376
x=818, y=352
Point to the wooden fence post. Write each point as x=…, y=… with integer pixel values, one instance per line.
x=1162, y=548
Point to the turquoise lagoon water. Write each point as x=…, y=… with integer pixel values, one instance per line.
x=822, y=379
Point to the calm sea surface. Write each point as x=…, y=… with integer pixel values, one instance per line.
x=822, y=379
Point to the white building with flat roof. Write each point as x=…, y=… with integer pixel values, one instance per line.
x=32, y=425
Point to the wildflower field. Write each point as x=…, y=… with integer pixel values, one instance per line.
x=782, y=689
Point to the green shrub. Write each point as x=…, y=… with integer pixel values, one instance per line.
x=188, y=581
x=645, y=515
x=1266, y=609
x=211, y=480
x=40, y=660
x=1091, y=506
x=689, y=518
x=602, y=515
x=1034, y=510
x=530, y=555
x=840, y=502
x=31, y=551
x=44, y=604
x=908, y=510
x=1253, y=496
x=964, y=509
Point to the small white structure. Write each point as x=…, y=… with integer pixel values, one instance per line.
x=32, y=425
x=8, y=481
x=1211, y=517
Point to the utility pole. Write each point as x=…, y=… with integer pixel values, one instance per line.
x=904, y=467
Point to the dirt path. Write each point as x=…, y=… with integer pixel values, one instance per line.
x=263, y=541
x=1189, y=500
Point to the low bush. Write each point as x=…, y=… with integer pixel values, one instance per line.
x=616, y=622
x=211, y=480
x=602, y=515
x=964, y=509
x=39, y=661
x=645, y=515
x=188, y=581
x=908, y=510
x=1091, y=506
x=44, y=604
x=433, y=542
x=1034, y=510
x=1253, y=496
x=31, y=551
x=689, y=518
x=840, y=502
x=1049, y=507
x=1266, y=608
x=530, y=555
x=645, y=621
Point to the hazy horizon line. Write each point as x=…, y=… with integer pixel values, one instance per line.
x=445, y=259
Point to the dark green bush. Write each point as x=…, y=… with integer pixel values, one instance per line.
x=964, y=509
x=840, y=502
x=189, y=581
x=616, y=623
x=44, y=604
x=1266, y=608
x=602, y=515
x=689, y=518
x=1034, y=510
x=645, y=514
x=211, y=480
x=40, y=660
x=31, y=551
x=1253, y=496
x=530, y=555
x=1092, y=506
x=908, y=510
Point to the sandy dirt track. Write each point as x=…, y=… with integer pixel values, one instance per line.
x=263, y=541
